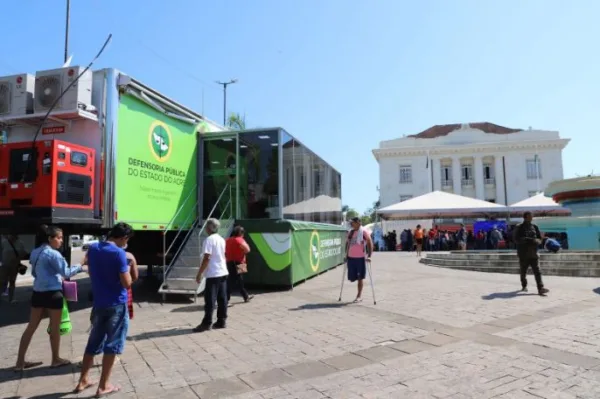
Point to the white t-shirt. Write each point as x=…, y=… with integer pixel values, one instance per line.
x=214, y=245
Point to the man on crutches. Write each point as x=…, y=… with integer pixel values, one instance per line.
x=356, y=257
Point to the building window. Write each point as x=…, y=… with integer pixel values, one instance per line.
x=446, y=176
x=318, y=182
x=405, y=197
x=532, y=193
x=405, y=174
x=467, y=175
x=534, y=168
x=488, y=174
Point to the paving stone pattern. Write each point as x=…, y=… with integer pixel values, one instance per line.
x=434, y=333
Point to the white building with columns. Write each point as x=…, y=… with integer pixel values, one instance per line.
x=478, y=160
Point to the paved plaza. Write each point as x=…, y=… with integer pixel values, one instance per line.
x=434, y=333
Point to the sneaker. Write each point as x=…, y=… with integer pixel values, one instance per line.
x=201, y=328
x=543, y=291
x=249, y=298
x=219, y=325
x=524, y=289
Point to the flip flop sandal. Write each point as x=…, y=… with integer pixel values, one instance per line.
x=27, y=365
x=61, y=364
x=357, y=300
x=113, y=389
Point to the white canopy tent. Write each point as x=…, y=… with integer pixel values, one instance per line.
x=439, y=204
x=540, y=205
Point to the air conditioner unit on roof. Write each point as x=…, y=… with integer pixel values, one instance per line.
x=51, y=83
x=16, y=95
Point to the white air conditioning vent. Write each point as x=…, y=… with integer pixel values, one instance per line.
x=47, y=90
x=49, y=85
x=16, y=95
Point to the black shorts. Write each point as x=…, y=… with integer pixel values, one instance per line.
x=47, y=300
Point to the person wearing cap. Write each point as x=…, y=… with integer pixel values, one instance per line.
x=356, y=257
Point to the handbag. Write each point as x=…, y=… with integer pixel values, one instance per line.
x=22, y=268
x=242, y=268
x=70, y=290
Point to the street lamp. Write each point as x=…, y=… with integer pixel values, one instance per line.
x=225, y=84
x=67, y=22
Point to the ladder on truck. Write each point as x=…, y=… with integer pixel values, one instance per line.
x=179, y=275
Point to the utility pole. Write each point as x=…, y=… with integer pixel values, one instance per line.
x=67, y=23
x=225, y=84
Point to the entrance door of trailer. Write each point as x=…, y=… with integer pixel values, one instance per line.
x=220, y=170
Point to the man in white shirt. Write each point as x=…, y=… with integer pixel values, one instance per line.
x=214, y=269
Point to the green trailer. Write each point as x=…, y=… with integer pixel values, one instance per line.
x=285, y=252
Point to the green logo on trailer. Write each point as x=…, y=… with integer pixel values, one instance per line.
x=161, y=141
x=314, y=249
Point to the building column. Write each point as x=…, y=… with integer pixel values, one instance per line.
x=499, y=179
x=456, y=176
x=478, y=178
x=437, y=174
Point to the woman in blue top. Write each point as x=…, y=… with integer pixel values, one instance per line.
x=48, y=268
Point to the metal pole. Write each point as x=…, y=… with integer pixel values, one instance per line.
x=225, y=84
x=225, y=104
x=67, y=23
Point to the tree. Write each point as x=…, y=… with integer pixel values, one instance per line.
x=236, y=121
x=345, y=208
x=351, y=213
x=372, y=212
x=365, y=220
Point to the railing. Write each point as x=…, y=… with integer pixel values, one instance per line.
x=447, y=183
x=179, y=231
x=490, y=181
x=167, y=268
x=467, y=182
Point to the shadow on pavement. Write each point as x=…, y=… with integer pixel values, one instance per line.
x=597, y=290
x=329, y=305
x=57, y=395
x=8, y=374
x=175, y=332
x=505, y=295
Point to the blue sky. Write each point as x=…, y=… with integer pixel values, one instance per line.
x=341, y=75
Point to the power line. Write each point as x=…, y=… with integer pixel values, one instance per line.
x=167, y=60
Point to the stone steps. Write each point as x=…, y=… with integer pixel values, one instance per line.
x=512, y=255
x=575, y=264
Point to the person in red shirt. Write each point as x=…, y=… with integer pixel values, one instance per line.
x=236, y=249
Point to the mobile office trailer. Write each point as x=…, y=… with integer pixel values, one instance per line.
x=114, y=150
x=111, y=150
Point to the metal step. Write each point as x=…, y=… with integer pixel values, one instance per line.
x=186, y=286
x=183, y=272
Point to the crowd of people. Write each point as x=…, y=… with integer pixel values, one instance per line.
x=436, y=239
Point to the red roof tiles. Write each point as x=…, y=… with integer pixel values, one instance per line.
x=443, y=130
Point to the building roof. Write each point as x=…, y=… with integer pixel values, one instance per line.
x=443, y=130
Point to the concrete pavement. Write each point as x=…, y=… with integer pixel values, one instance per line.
x=434, y=333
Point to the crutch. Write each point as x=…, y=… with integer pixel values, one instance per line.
x=343, y=278
x=371, y=277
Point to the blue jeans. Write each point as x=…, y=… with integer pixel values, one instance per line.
x=109, y=330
